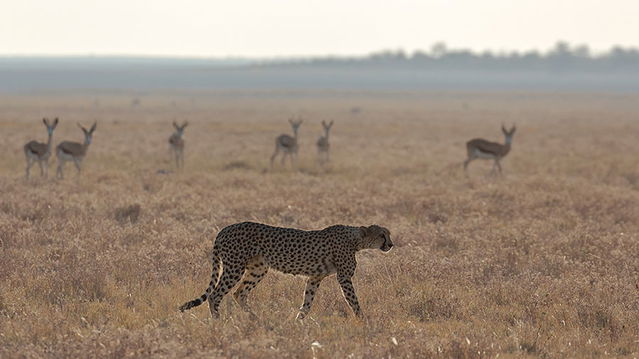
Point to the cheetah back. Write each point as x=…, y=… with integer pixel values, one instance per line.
x=288, y=250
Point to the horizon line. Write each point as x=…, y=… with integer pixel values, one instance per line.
x=505, y=52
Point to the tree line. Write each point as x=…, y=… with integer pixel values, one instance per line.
x=561, y=57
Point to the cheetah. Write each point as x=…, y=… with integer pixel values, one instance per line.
x=248, y=250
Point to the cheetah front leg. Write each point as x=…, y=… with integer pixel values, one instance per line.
x=312, y=284
x=345, y=282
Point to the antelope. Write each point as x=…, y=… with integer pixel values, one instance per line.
x=176, y=143
x=480, y=148
x=322, y=143
x=74, y=151
x=286, y=143
x=40, y=152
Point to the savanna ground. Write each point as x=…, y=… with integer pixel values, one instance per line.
x=541, y=262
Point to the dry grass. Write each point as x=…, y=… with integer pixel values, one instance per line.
x=542, y=262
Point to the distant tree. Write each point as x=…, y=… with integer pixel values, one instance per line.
x=438, y=49
x=582, y=51
x=419, y=55
x=560, y=57
x=619, y=58
x=561, y=49
x=388, y=56
x=420, y=58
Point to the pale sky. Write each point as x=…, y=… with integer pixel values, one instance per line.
x=267, y=28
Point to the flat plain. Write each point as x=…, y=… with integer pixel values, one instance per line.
x=542, y=261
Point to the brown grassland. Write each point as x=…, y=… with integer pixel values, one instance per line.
x=540, y=262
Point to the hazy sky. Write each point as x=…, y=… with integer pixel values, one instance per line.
x=304, y=27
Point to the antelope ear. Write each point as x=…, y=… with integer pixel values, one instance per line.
x=364, y=231
x=512, y=130
x=323, y=123
x=55, y=122
x=186, y=123
x=176, y=125
x=503, y=129
x=290, y=120
x=95, y=125
x=45, y=121
x=82, y=128
x=330, y=124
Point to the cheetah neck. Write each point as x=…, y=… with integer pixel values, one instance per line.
x=361, y=242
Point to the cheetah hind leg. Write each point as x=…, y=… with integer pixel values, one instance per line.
x=231, y=274
x=256, y=269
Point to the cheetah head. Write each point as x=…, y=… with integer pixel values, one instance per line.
x=375, y=237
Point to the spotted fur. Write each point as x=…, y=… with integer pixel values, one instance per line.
x=245, y=252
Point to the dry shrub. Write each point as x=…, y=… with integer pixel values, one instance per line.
x=74, y=275
x=437, y=306
x=599, y=317
x=235, y=165
x=128, y=214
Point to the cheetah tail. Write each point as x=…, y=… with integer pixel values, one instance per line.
x=214, y=278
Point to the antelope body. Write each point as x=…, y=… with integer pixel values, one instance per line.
x=480, y=148
x=35, y=151
x=323, y=145
x=74, y=151
x=287, y=144
x=176, y=143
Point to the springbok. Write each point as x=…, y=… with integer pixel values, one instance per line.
x=322, y=143
x=74, y=151
x=286, y=143
x=176, y=143
x=480, y=148
x=40, y=152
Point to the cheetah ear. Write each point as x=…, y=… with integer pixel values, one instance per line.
x=364, y=231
